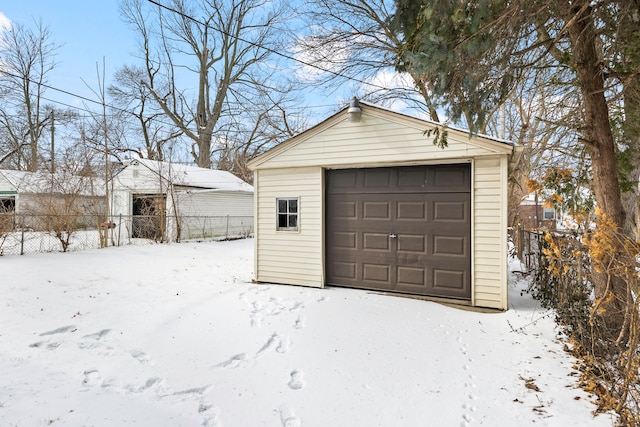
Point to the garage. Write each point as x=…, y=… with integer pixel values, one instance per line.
x=400, y=229
x=367, y=200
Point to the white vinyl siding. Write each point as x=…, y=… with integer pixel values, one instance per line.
x=381, y=138
x=489, y=232
x=214, y=203
x=289, y=257
x=373, y=142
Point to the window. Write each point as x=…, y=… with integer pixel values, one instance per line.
x=549, y=213
x=287, y=214
x=7, y=205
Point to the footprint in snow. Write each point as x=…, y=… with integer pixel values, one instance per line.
x=300, y=323
x=142, y=357
x=277, y=342
x=236, y=361
x=209, y=413
x=296, y=382
x=93, y=340
x=91, y=378
x=288, y=417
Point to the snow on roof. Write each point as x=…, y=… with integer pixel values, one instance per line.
x=193, y=176
x=44, y=182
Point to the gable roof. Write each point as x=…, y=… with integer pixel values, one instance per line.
x=44, y=182
x=193, y=176
x=485, y=141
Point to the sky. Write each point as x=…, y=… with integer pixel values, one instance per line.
x=91, y=32
x=88, y=32
x=178, y=335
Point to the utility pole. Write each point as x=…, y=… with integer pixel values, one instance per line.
x=53, y=133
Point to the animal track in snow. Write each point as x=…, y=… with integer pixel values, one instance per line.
x=469, y=385
x=296, y=382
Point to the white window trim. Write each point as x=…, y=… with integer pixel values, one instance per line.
x=548, y=210
x=288, y=229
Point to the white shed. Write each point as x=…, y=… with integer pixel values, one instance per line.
x=42, y=193
x=152, y=199
x=366, y=200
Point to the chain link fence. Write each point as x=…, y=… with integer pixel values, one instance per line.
x=24, y=234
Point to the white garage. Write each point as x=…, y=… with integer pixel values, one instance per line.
x=366, y=200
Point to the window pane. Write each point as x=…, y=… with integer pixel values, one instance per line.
x=293, y=206
x=282, y=221
x=282, y=206
x=293, y=220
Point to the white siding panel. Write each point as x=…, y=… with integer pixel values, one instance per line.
x=489, y=207
x=5, y=185
x=214, y=203
x=372, y=141
x=289, y=257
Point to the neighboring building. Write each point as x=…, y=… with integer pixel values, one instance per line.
x=31, y=194
x=534, y=214
x=168, y=201
x=366, y=200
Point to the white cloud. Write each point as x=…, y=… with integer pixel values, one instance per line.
x=317, y=59
x=5, y=23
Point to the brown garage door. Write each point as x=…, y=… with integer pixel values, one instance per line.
x=401, y=229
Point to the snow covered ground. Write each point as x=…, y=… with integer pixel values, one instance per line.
x=177, y=335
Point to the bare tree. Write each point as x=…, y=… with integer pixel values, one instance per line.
x=72, y=204
x=353, y=40
x=26, y=58
x=540, y=118
x=248, y=133
x=143, y=130
x=225, y=49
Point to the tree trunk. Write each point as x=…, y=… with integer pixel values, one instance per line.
x=600, y=140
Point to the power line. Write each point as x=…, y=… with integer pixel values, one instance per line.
x=185, y=16
x=268, y=49
x=115, y=108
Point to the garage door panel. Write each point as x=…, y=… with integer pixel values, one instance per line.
x=415, y=178
x=375, y=241
x=450, y=211
x=345, y=270
x=413, y=277
x=411, y=210
x=378, y=179
x=400, y=229
x=415, y=244
x=375, y=210
x=344, y=180
x=343, y=209
x=377, y=274
x=449, y=282
x=451, y=179
x=450, y=246
x=344, y=240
